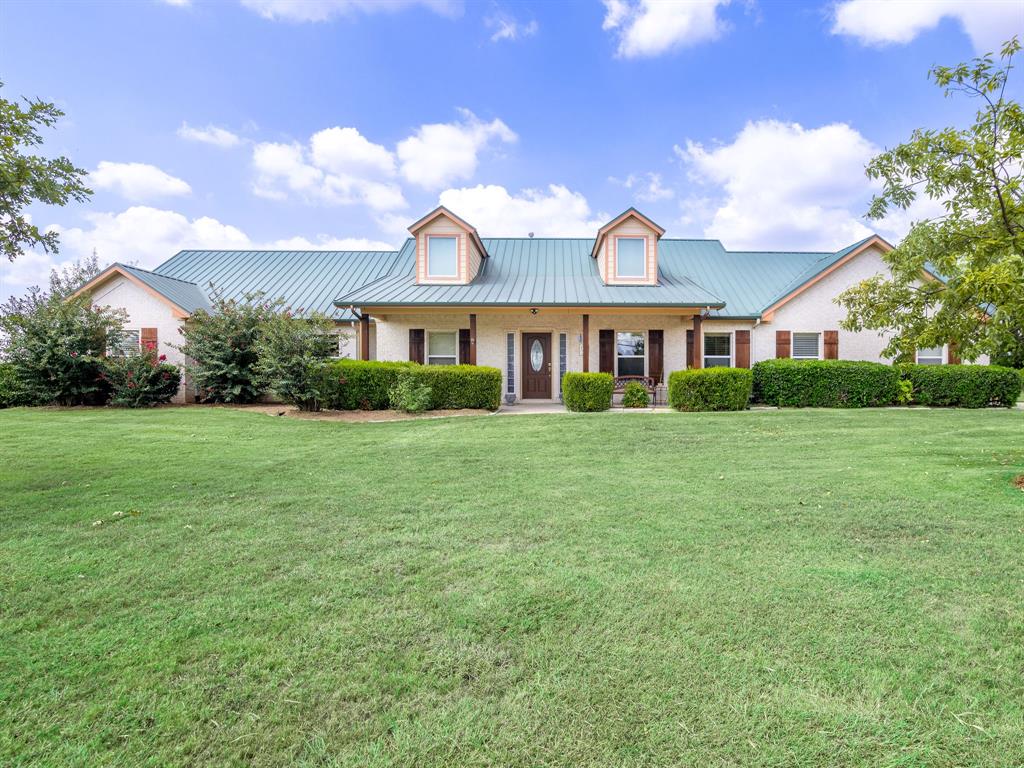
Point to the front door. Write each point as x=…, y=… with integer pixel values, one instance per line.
x=537, y=365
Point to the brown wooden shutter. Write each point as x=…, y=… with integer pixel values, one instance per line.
x=689, y=349
x=742, y=349
x=953, y=353
x=464, y=346
x=656, y=355
x=831, y=345
x=416, y=345
x=606, y=350
x=148, y=340
x=782, y=342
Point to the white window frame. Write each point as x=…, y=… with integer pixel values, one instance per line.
x=431, y=275
x=123, y=351
x=643, y=334
x=792, y=345
x=643, y=242
x=931, y=359
x=732, y=348
x=427, y=357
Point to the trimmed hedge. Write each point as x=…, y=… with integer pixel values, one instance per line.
x=635, y=396
x=825, y=383
x=12, y=392
x=587, y=391
x=963, y=386
x=458, y=386
x=710, y=389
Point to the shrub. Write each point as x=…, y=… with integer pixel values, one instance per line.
x=459, y=386
x=410, y=396
x=587, y=391
x=825, y=383
x=635, y=396
x=140, y=380
x=964, y=386
x=350, y=385
x=221, y=347
x=710, y=389
x=12, y=392
x=291, y=354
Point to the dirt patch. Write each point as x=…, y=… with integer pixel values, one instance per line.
x=290, y=411
x=1018, y=482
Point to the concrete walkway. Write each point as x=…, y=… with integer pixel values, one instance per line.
x=523, y=409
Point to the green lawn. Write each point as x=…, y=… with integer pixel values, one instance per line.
x=773, y=588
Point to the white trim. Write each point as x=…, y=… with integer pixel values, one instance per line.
x=643, y=242
x=732, y=347
x=792, y=344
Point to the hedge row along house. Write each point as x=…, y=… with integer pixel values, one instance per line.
x=627, y=301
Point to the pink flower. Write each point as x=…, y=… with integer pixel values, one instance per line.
x=74, y=354
x=162, y=358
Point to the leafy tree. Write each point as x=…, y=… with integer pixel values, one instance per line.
x=976, y=246
x=221, y=345
x=27, y=178
x=292, y=354
x=140, y=379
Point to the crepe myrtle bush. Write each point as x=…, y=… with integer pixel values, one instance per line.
x=291, y=355
x=140, y=380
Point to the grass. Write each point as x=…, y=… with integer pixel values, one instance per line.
x=772, y=589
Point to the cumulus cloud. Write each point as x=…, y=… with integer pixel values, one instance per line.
x=137, y=181
x=325, y=10
x=441, y=153
x=328, y=243
x=885, y=22
x=507, y=27
x=211, y=134
x=346, y=151
x=653, y=27
x=556, y=211
x=646, y=187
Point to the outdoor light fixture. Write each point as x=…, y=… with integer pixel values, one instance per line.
x=533, y=310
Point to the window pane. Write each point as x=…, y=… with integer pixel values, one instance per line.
x=717, y=362
x=717, y=344
x=805, y=345
x=128, y=345
x=631, y=366
x=441, y=344
x=930, y=356
x=629, y=257
x=441, y=261
x=630, y=343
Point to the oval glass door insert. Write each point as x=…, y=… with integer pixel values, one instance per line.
x=536, y=355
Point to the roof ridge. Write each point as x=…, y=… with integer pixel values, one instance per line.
x=158, y=274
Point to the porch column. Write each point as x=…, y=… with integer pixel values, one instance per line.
x=698, y=343
x=472, y=339
x=586, y=343
x=364, y=337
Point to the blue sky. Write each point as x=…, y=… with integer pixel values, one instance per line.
x=336, y=123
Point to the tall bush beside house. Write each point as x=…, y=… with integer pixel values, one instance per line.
x=710, y=389
x=587, y=391
x=291, y=357
x=140, y=380
x=963, y=386
x=350, y=385
x=221, y=348
x=460, y=386
x=56, y=347
x=825, y=383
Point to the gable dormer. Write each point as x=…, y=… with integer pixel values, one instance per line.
x=448, y=250
x=626, y=250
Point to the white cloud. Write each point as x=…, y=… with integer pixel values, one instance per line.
x=137, y=181
x=328, y=243
x=495, y=212
x=783, y=186
x=654, y=27
x=507, y=27
x=885, y=22
x=646, y=187
x=325, y=10
x=346, y=151
x=441, y=153
x=211, y=134
x=178, y=3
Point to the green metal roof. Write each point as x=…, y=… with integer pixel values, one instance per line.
x=530, y=272
x=307, y=281
x=186, y=295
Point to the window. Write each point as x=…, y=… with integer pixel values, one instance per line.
x=806, y=346
x=630, y=257
x=717, y=352
x=442, y=348
x=127, y=345
x=629, y=348
x=930, y=356
x=442, y=256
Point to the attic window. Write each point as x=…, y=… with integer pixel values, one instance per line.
x=442, y=256
x=630, y=257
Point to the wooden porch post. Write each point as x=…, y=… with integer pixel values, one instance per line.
x=698, y=343
x=364, y=337
x=472, y=339
x=586, y=343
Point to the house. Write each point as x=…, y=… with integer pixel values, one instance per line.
x=628, y=301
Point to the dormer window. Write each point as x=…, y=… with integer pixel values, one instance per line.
x=631, y=257
x=442, y=256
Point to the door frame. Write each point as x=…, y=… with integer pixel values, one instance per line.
x=525, y=362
